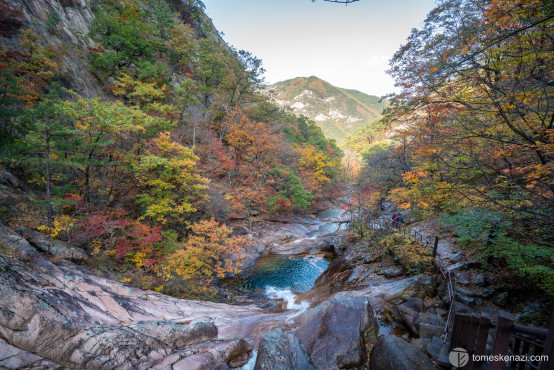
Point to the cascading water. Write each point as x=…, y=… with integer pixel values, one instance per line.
x=281, y=277
x=252, y=362
x=288, y=296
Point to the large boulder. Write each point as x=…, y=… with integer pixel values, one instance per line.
x=393, y=353
x=7, y=180
x=48, y=245
x=439, y=351
x=13, y=244
x=409, y=311
x=281, y=351
x=335, y=333
x=414, y=318
x=336, y=275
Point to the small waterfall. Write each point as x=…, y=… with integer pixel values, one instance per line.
x=288, y=296
x=250, y=364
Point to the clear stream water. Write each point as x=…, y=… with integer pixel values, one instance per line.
x=281, y=277
x=295, y=273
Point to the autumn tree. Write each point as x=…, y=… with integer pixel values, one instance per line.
x=109, y=135
x=290, y=191
x=245, y=79
x=210, y=252
x=170, y=186
x=25, y=74
x=318, y=167
x=128, y=39
x=476, y=102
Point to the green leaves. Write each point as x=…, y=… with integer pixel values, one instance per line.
x=489, y=233
x=290, y=191
x=128, y=38
x=170, y=183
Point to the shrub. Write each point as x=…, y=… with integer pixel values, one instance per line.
x=412, y=255
x=489, y=234
x=131, y=242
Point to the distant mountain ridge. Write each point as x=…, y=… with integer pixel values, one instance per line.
x=337, y=111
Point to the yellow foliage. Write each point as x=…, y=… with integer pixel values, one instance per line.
x=170, y=180
x=164, y=271
x=208, y=253
x=316, y=162
x=147, y=95
x=138, y=259
x=95, y=247
x=412, y=255
x=60, y=223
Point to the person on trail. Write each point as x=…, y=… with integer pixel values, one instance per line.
x=397, y=220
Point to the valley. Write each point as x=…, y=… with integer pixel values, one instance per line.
x=161, y=207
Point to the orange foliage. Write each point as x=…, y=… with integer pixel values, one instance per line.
x=210, y=252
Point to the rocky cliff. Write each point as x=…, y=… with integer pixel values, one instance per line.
x=64, y=25
x=59, y=22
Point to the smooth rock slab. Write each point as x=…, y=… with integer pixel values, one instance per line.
x=176, y=335
x=199, y=361
x=393, y=353
x=74, y=318
x=335, y=332
x=15, y=358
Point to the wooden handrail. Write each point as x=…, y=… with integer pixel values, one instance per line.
x=541, y=333
x=470, y=333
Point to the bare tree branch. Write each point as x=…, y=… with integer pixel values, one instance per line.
x=339, y=1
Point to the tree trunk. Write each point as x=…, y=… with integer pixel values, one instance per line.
x=49, y=207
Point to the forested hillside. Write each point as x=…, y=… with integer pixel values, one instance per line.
x=471, y=136
x=139, y=133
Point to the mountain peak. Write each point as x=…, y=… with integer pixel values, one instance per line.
x=336, y=110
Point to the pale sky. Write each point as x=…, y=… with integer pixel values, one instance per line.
x=346, y=45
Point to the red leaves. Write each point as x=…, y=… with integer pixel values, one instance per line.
x=120, y=236
x=10, y=20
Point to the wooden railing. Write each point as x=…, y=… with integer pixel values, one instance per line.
x=471, y=333
x=427, y=243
